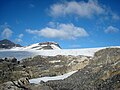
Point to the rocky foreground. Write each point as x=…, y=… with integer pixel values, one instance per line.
x=101, y=72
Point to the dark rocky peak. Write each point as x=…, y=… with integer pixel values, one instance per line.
x=7, y=44
x=6, y=41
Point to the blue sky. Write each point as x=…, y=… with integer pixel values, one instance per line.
x=71, y=23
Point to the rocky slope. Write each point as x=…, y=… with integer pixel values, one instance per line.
x=54, y=65
x=7, y=44
x=101, y=72
x=39, y=66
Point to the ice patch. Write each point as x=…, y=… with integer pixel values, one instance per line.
x=45, y=79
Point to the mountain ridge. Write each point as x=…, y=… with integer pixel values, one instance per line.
x=7, y=44
x=42, y=46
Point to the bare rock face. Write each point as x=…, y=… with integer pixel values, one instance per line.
x=22, y=83
x=106, y=56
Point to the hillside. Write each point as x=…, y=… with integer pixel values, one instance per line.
x=100, y=72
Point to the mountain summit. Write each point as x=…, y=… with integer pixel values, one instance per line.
x=43, y=46
x=7, y=44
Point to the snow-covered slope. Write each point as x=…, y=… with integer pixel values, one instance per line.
x=57, y=51
x=40, y=46
x=75, y=52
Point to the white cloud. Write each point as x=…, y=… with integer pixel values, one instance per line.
x=31, y=5
x=20, y=35
x=111, y=29
x=115, y=16
x=62, y=31
x=18, y=40
x=52, y=24
x=7, y=33
x=83, y=9
x=32, y=31
x=5, y=25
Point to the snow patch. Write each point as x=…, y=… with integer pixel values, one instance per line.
x=38, y=46
x=45, y=79
x=57, y=61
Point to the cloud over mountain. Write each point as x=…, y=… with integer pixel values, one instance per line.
x=7, y=33
x=61, y=31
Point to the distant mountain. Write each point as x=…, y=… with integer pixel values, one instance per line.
x=44, y=46
x=40, y=46
x=7, y=44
